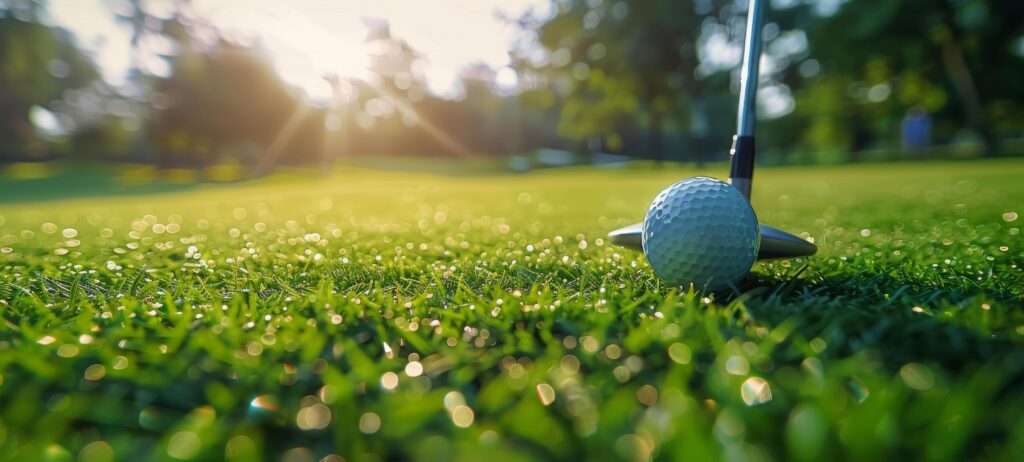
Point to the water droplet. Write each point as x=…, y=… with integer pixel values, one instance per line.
x=755, y=391
x=313, y=417
x=546, y=394
x=184, y=445
x=737, y=365
x=95, y=372
x=264, y=402
x=414, y=369
x=917, y=376
x=369, y=423
x=462, y=416
x=680, y=353
x=389, y=381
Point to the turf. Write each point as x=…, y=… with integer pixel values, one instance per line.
x=371, y=315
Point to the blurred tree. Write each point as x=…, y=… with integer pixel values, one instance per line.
x=395, y=113
x=916, y=51
x=141, y=23
x=615, y=61
x=150, y=27
x=226, y=99
x=618, y=66
x=396, y=84
x=220, y=100
x=853, y=68
x=37, y=64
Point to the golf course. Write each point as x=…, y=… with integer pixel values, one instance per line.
x=370, y=315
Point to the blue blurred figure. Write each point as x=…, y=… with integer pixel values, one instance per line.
x=917, y=130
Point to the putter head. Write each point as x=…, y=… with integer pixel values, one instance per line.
x=775, y=243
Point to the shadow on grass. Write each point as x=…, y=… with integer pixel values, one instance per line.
x=901, y=319
x=70, y=181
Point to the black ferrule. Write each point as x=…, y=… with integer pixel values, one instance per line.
x=742, y=154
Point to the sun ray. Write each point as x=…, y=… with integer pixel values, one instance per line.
x=273, y=152
x=432, y=130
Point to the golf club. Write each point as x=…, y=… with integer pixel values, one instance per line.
x=775, y=243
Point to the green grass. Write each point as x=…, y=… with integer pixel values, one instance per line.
x=388, y=316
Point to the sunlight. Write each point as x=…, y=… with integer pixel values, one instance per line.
x=406, y=109
x=308, y=39
x=281, y=139
x=303, y=52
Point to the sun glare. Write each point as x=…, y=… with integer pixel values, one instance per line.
x=303, y=52
x=309, y=39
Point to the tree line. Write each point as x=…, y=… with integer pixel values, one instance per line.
x=653, y=79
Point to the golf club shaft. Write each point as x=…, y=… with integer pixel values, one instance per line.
x=742, y=171
x=775, y=243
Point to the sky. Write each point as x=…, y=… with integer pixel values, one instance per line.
x=310, y=38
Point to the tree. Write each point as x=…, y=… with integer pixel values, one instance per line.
x=962, y=47
x=37, y=63
x=228, y=98
x=620, y=66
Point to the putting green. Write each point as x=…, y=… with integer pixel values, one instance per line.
x=387, y=315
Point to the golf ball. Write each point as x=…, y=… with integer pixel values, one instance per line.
x=701, y=231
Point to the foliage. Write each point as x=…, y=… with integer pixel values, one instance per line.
x=381, y=316
x=653, y=79
x=617, y=64
x=854, y=71
x=955, y=59
x=225, y=98
x=37, y=63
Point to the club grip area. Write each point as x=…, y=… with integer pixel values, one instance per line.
x=742, y=170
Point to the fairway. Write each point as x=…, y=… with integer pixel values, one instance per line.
x=382, y=315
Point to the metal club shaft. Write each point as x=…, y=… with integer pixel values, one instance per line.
x=741, y=173
x=775, y=243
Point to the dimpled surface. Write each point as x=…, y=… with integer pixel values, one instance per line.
x=701, y=231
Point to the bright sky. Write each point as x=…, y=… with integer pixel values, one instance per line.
x=310, y=38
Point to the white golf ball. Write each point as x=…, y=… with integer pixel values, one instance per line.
x=701, y=231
